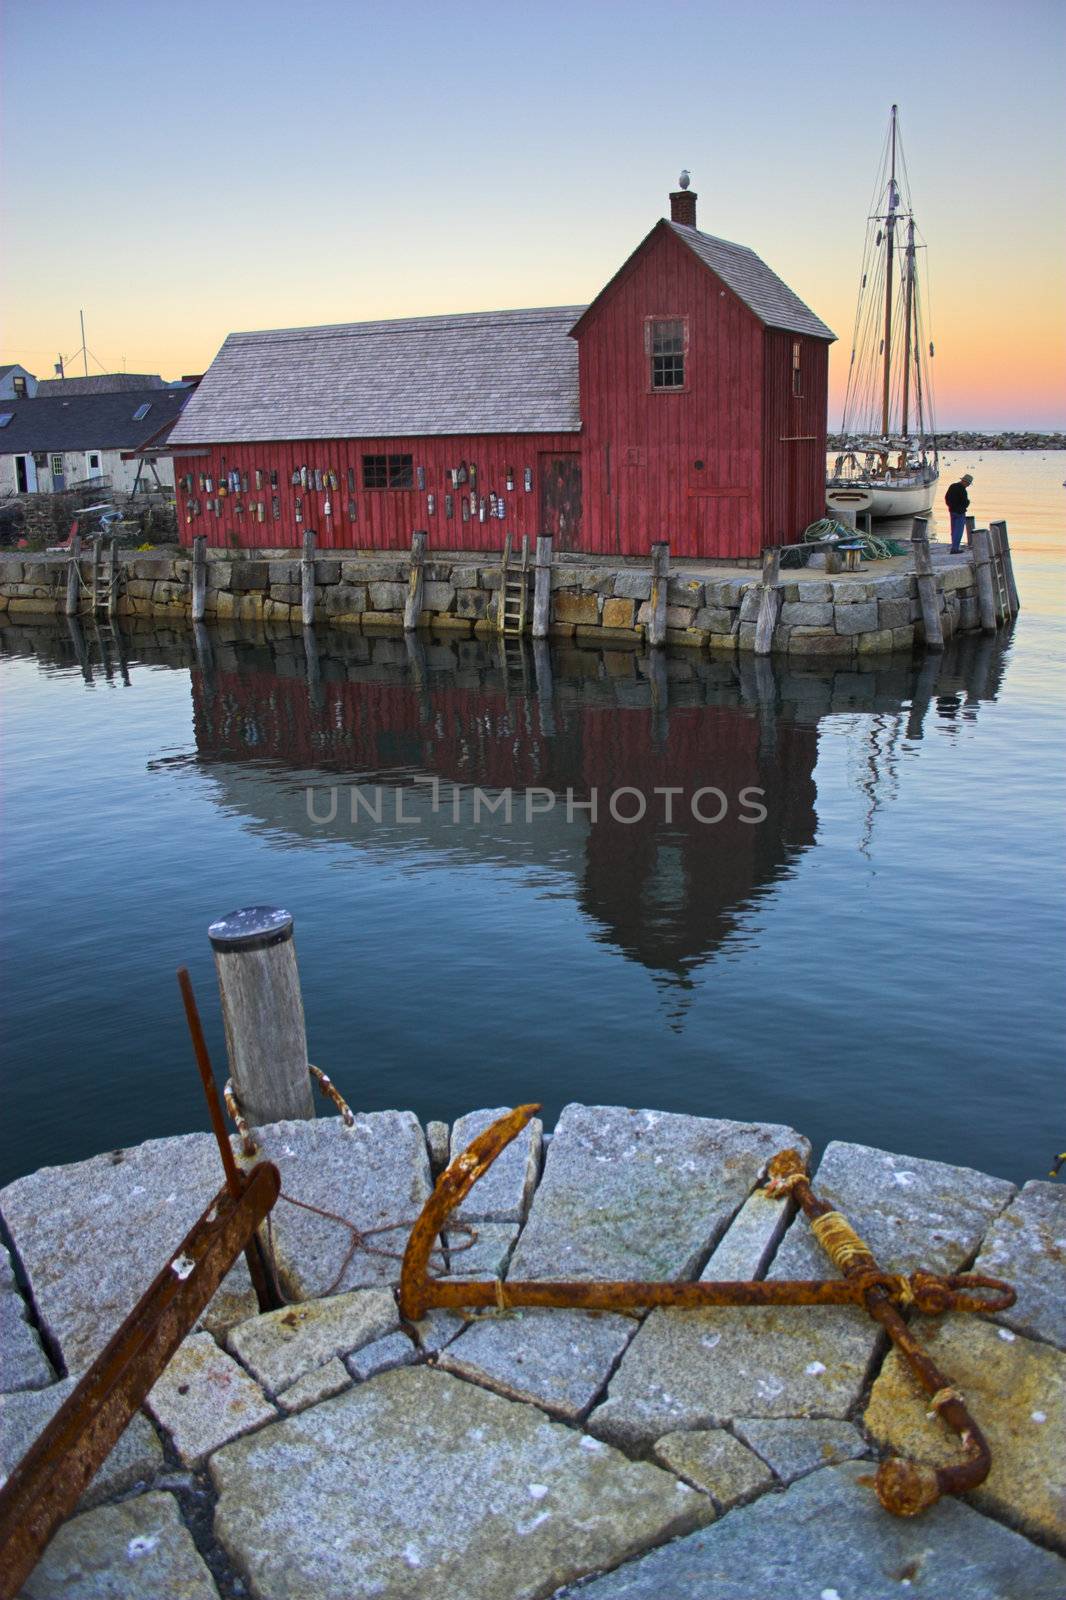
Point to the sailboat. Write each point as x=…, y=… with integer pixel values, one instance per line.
x=888, y=461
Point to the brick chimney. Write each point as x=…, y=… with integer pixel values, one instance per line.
x=683, y=207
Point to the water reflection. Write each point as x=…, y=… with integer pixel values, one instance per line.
x=660, y=877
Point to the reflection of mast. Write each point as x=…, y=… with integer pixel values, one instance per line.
x=890, y=237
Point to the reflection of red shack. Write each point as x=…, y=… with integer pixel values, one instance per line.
x=666, y=893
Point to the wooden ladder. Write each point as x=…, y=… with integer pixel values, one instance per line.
x=514, y=591
x=999, y=576
x=104, y=582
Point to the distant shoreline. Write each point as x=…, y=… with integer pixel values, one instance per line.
x=981, y=441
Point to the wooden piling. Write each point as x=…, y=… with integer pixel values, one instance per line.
x=95, y=592
x=542, y=587
x=73, y=597
x=971, y=523
x=199, y=577
x=307, y=579
x=928, y=598
x=542, y=667
x=982, y=560
x=998, y=530
x=413, y=604
x=112, y=577
x=263, y=1014
x=769, y=602
x=660, y=581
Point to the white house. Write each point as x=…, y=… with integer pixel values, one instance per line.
x=16, y=383
x=49, y=444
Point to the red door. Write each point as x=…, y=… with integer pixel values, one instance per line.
x=560, y=499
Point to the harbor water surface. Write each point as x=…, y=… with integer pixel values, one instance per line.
x=879, y=958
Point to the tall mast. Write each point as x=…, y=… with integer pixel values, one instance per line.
x=890, y=229
x=908, y=300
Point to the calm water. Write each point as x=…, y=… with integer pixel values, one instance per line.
x=880, y=959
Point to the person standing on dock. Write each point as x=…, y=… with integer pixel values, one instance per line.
x=957, y=502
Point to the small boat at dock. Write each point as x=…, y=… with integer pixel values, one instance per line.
x=889, y=450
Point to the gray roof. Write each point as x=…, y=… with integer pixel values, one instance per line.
x=87, y=421
x=486, y=372
x=752, y=281
x=101, y=383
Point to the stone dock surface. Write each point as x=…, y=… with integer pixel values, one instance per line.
x=329, y=1451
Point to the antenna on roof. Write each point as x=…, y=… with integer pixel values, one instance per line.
x=685, y=178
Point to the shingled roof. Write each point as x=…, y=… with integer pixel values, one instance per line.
x=87, y=421
x=485, y=372
x=752, y=281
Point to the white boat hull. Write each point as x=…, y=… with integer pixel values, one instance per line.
x=883, y=500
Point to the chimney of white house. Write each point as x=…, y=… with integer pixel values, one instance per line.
x=683, y=203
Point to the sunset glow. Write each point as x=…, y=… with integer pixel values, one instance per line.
x=181, y=173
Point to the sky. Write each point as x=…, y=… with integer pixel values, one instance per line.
x=183, y=171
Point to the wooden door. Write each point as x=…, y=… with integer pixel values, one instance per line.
x=560, y=498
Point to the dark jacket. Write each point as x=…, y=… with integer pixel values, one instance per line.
x=956, y=498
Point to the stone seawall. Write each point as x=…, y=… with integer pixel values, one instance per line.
x=874, y=611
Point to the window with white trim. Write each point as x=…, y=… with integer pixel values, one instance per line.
x=666, y=345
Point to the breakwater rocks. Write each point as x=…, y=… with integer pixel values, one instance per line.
x=329, y=1449
x=874, y=611
x=965, y=439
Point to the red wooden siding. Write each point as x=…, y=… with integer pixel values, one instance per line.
x=640, y=447
x=794, y=429
x=385, y=518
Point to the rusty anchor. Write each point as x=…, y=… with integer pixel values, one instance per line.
x=903, y=1487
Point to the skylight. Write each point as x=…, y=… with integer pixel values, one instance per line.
x=5, y=418
x=142, y=411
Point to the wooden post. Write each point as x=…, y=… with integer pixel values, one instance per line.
x=927, y=591
x=769, y=602
x=263, y=1013
x=542, y=587
x=660, y=581
x=659, y=684
x=97, y=547
x=998, y=531
x=413, y=604
x=199, y=577
x=70, y=605
x=833, y=561
x=307, y=579
x=314, y=670
x=971, y=523
x=982, y=560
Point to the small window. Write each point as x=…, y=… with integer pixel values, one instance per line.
x=19, y=383
x=5, y=418
x=142, y=411
x=666, y=342
x=94, y=461
x=388, y=472
x=57, y=466
x=797, y=370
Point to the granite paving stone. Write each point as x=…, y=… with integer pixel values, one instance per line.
x=1026, y=1245
x=465, y=1493
x=559, y=1359
x=140, y=1550
x=484, y=1257
x=281, y=1346
x=92, y=1236
x=827, y=1538
x=395, y=1350
x=713, y=1461
x=136, y=1457
x=321, y=1383
x=639, y=1194
x=748, y=1244
x=373, y=1173
x=23, y=1363
x=1016, y=1389
x=794, y=1446
x=502, y=1194
x=437, y=1329
x=204, y=1399
x=699, y=1369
